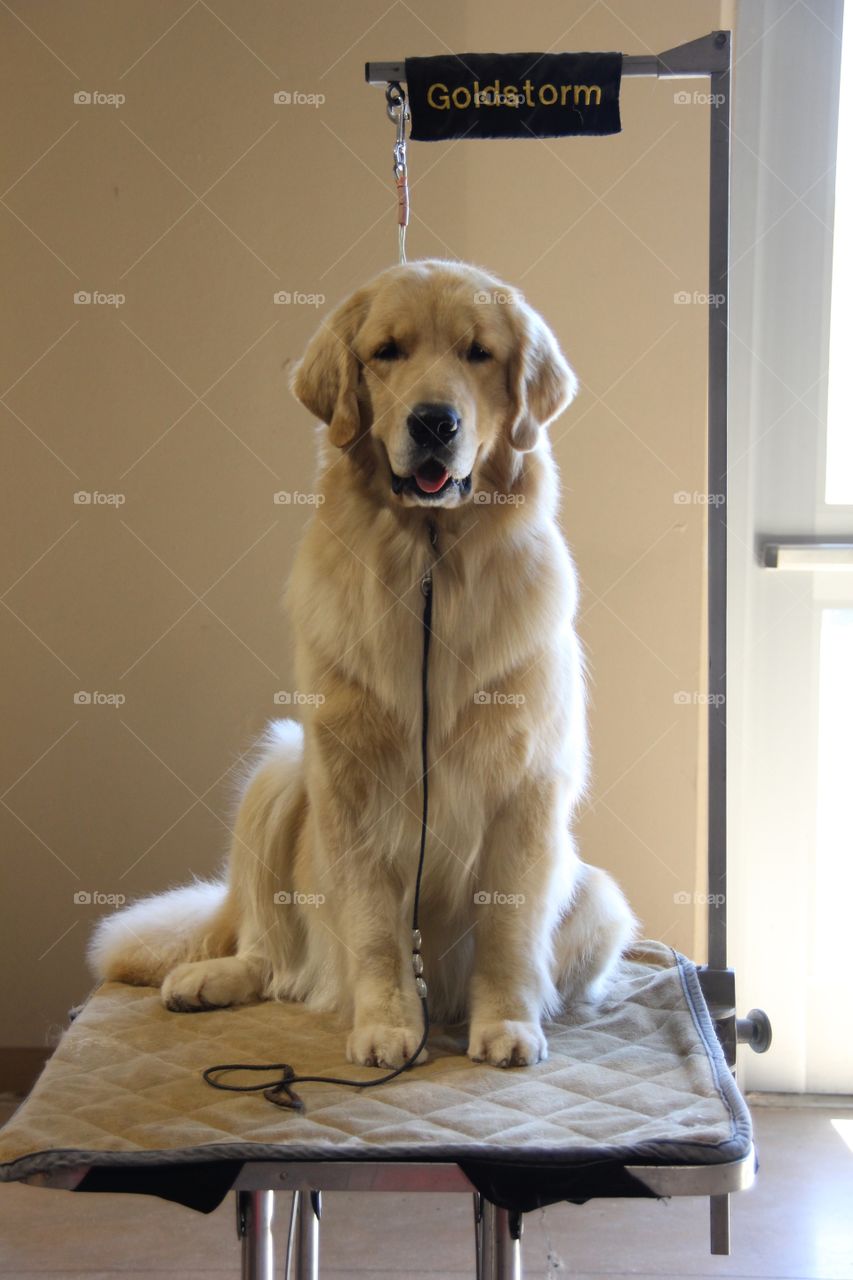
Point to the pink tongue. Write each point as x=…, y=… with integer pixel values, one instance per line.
x=430, y=483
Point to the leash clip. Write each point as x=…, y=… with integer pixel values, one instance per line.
x=397, y=108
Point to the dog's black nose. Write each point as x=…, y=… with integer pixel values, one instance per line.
x=433, y=424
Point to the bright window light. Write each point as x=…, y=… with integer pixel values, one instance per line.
x=839, y=410
x=834, y=878
x=844, y=1128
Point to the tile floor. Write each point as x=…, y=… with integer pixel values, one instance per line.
x=796, y=1224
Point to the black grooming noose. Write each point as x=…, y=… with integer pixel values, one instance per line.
x=281, y=1091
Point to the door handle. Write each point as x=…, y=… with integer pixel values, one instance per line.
x=808, y=555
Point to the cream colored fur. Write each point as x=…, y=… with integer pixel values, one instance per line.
x=318, y=898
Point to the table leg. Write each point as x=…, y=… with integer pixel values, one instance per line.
x=501, y=1243
x=307, y=1235
x=478, y=1234
x=254, y=1227
x=720, y=1225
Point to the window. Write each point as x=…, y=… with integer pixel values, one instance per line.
x=839, y=424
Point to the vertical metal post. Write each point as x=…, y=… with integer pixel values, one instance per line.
x=718, y=378
x=501, y=1243
x=254, y=1228
x=720, y=1225
x=478, y=1234
x=307, y=1232
x=718, y=389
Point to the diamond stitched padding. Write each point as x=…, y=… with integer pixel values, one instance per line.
x=639, y=1075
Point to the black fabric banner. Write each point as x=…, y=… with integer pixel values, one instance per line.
x=514, y=95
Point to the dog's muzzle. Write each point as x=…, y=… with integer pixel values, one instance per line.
x=432, y=429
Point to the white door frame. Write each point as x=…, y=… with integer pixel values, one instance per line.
x=783, y=151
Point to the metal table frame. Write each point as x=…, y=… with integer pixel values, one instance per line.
x=498, y=1232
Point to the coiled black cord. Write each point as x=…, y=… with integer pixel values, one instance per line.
x=280, y=1091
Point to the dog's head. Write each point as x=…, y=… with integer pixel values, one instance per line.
x=432, y=364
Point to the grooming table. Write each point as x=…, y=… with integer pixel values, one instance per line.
x=635, y=1099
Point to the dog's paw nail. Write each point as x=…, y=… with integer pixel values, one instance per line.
x=507, y=1044
x=383, y=1046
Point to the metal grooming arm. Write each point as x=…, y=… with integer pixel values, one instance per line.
x=710, y=56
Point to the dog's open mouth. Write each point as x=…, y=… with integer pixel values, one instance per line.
x=430, y=480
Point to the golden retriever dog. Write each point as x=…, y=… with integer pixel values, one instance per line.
x=435, y=383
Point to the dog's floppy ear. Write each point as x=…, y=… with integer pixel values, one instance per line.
x=326, y=378
x=541, y=384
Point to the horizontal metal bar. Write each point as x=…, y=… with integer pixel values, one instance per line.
x=700, y=57
x=809, y=555
x=383, y=72
x=400, y=1175
x=369, y=1175
x=352, y=1175
x=697, y=1180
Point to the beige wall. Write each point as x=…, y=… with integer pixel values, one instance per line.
x=177, y=401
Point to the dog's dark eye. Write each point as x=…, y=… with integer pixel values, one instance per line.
x=477, y=354
x=388, y=351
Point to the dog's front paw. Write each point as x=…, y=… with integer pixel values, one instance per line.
x=377, y=1045
x=507, y=1044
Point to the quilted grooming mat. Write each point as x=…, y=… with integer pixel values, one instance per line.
x=639, y=1080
